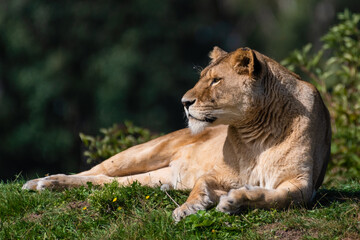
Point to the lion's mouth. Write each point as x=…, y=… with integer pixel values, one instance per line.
x=206, y=119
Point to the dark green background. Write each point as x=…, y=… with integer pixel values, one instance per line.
x=75, y=66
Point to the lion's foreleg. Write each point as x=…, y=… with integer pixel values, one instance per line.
x=61, y=181
x=205, y=194
x=258, y=197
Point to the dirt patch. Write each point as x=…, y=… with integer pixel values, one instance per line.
x=33, y=217
x=269, y=227
x=279, y=231
x=294, y=234
x=78, y=204
x=351, y=236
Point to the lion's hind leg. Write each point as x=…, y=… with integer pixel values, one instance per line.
x=61, y=181
x=290, y=192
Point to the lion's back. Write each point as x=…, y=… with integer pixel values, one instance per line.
x=319, y=130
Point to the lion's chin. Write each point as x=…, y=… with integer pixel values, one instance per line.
x=197, y=126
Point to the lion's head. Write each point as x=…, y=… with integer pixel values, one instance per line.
x=229, y=89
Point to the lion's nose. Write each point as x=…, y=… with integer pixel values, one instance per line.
x=187, y=102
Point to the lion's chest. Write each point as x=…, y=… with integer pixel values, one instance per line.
x=195, y=160
x=267, y=171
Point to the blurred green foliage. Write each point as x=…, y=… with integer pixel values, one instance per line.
x=113, y=140
x=335, y=70
x=75, y=66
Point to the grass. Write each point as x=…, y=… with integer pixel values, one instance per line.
x=138, y=212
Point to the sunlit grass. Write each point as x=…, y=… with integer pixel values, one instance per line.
x=138, y=212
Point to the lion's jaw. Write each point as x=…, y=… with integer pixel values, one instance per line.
x=197, y=126
x=199, y=117
x=198, y=121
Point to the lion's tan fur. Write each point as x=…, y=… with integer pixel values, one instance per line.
x=258, y=137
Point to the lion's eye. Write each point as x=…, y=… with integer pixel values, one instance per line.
x=215, y=81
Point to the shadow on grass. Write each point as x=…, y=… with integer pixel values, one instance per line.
x=326, y=197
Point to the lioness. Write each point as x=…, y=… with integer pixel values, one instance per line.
x=258, y=137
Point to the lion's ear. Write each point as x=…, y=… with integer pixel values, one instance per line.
x=244, y=61
x=216, y=53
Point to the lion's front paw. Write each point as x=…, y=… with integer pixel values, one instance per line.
x=229, y=203
x=185, y=210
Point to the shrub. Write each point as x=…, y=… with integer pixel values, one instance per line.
x=113, y=140
x=335, y=70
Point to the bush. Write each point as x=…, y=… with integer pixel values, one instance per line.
x=335, y=70
x=113, y=140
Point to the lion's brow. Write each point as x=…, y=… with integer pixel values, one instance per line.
x=204, y=72
x=207, y=69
